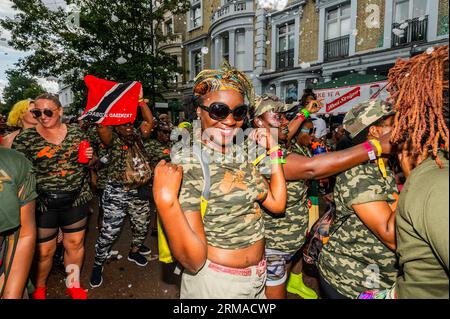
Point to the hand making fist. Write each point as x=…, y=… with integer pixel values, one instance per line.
x=166, y=183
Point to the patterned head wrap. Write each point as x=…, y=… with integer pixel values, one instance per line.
x=226, y=78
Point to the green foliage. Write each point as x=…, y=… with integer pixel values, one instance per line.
x=19, y=87
x=108, y=30
x=3, y=110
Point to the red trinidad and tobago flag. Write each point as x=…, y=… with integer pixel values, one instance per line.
x=111, y=103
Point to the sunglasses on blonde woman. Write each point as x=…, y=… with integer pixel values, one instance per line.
x=38, y=113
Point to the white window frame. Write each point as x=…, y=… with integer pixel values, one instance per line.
x=282, y=20
x=286, y=34
x=338, y=19
x=241, y=31
x=410, y=8
x=192, y=53
x=222, y=46
x=165, y=26
x=195, y=4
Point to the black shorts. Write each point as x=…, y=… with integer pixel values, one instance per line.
x=61, y=218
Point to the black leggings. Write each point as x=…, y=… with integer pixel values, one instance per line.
x=328, y=292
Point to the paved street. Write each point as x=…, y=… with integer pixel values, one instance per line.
x=123, y=279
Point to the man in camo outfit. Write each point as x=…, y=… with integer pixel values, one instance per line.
x=355, y=259
x=283, y=234
x=119, y=198
x=159, y=149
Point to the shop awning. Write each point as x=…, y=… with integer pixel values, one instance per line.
x=350, y=80
x=340, y=95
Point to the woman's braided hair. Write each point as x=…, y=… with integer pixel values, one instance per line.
x=419, y=93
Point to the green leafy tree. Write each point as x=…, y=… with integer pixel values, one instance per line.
x=3, y=110
x=112, y=39
x=19, y=87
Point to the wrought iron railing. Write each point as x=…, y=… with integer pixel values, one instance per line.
x=410, y=31
x=285, y=59
x=336, y=48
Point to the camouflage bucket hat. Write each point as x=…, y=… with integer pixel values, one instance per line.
x=269, y=102
x=365, y=114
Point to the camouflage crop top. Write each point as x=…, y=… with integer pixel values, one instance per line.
x=233, y=218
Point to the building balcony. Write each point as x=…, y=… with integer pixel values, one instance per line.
x=336, y=48
x=177, y=39
x=409, y=31
x=285, y=59
x=232, y=9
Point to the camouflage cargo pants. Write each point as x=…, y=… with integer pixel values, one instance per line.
x=117, y=203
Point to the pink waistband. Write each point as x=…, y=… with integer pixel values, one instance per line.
x=259, y=269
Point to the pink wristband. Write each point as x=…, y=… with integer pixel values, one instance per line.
x=370, y=151
x=301, y=116
x=276, y=154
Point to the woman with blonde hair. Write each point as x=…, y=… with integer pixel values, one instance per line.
x=20, y=117
x=63, y=190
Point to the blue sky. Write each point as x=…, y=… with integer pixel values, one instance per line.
x=9, y=56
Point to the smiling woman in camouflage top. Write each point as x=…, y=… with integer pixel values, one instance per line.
x=223, y=255
x=360, y=252
x=63, y=189
x=285, y=233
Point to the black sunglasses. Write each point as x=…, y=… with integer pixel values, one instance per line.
x=220, y=111
x=38, y=113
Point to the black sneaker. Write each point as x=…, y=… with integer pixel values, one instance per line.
x=138, y=259
x=144, y=250
x=96, y=276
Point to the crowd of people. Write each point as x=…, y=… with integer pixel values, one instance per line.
x=236, y=210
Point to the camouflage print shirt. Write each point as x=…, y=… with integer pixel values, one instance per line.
x=117, y=154
x=286, y=232
x=233, y=217
x=157, y=151
x=56, y=167
x=354, y=259
x=102, y=153
x=17, y=188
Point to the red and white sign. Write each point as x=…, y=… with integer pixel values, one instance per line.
x=341, y=100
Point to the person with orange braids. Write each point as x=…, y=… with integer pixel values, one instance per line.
x=419, y=90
